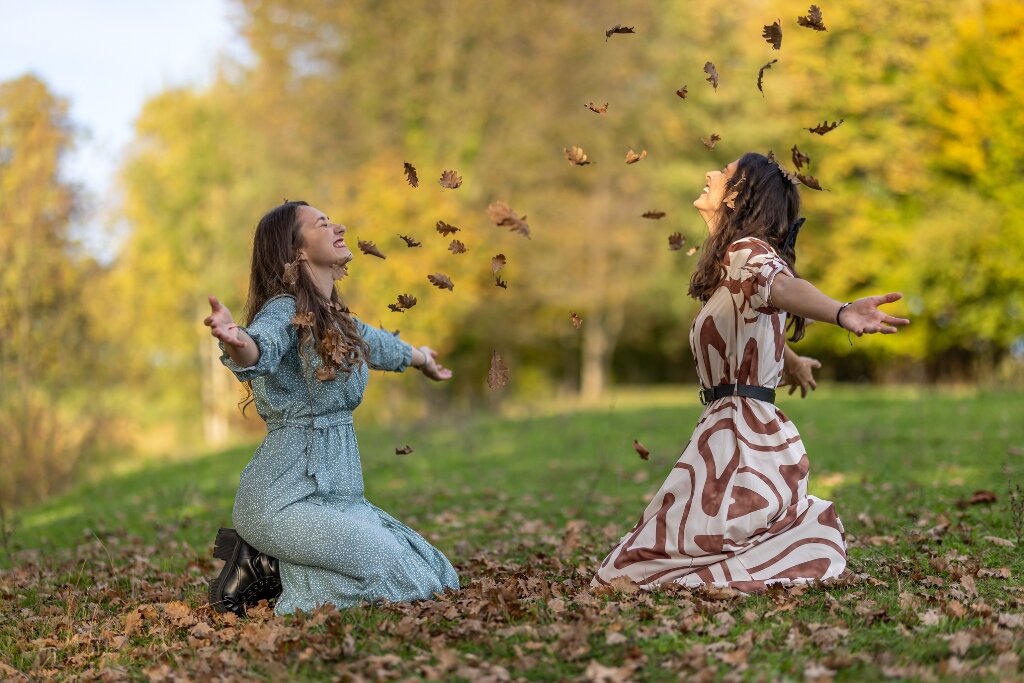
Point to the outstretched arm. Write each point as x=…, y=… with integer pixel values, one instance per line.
x=237, y=343
x=425, y=358
x=861, y=316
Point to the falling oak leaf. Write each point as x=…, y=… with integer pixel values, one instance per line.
x=825, y=126
x=446, y=229
x=682, y=92
x=712, y=73
x=618, y=28
x=450, y=180
x=596, y=109
x=576, y=156
x=303, y=319
x=410, y=175
x=655, y=215
x=370, y=249
x=799, y=158
x=396, y=308
x=404, y=450
x=641, y=450
x=406, y=300
x=502, y=214
x=457, y=247
x=497, y=375
x=410, y=242
x=809, y=181
x=711, y=141
x=692, y=250
x=772, y=33
x=497, y=263
x=632, y=157
x=813, y=19
x=760, y=75
x=498, y=282
x=577, y=321
x=441, y=281
x=676, y=241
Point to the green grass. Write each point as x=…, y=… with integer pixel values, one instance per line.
x=499, y=495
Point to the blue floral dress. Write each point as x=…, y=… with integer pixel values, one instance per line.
x=301, y=499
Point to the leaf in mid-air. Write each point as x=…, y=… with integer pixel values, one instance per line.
x=825, y=126
x=641, y=450
x=497, y=375
x=446, y=229
x=370, y=249
x=450, y=180
x=457, y=247
x=632, y=157
x=799, y=158
x=441, y=281
x=577, y=321
x=618, y=28
x=410, y=242
x=497, y=263
x=772, y=33
x=676, y=241
x=760, y=75
x=502, y=214
x=603, y=109
x=712, y=72
x=813, y=19
x=576, y=156
x=410, y=175
x=656, y=215
x=711, y=141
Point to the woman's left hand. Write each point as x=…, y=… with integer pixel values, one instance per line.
x=864, y=317
x=797, y=373
x=432, y=368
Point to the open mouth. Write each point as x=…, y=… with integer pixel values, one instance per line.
x=338, y=244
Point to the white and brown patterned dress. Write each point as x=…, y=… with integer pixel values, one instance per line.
x=734, y=510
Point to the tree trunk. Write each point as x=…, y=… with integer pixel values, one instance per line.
x=600, y=335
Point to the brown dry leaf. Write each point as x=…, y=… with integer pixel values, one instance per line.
x=577, y=321
x=450, y=180
x=596, y=109
x=325, y=373
x=654, y=215
x=998, y=573
x=498, y=262
x=457, y=247
x=410, y=175
x=396, y=308
x=641, y=451
x=1003, y=542
x=712, y=73
x=405, y=450
x=497, y=375
x=632, y=157
x=445, y=229
x=410, y=242
x=498, y=282
x=710, y=142
x=618, y=28
x=502, y=214
x=800, y=159
x=772, y=34
x=406, y=300
x=291, y=270
x=682, y=92
x=441, y=281
x=676, y=241
x=955, y=609
x=303, y=319
x=597, y=672
x=760, y=75
x=370, y=249
x=809, y=181
x=980, y=497
x=339, y=271
x=576, y=156
x=813, y=19
x=825, y=126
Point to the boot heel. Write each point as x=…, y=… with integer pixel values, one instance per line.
x=224, y=546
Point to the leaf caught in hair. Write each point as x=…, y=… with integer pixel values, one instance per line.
x=291, y=270
x=457, y=247
x=632, y=157
x=498, y=282
x=576, y=156
x=682, y=92
x=799, y=158
x=450, y=180
x=404, y=450
x=710, y=142
x=325, y=373
x=441, y=281
x=410, y=242
x=655, y=215
x=410, y=175
x=502, y=214
x=641, y=450
x=497, y=263
x=596, y=109
x=303, y=319
x=772, y=33
x=576, y=321
x=760, y=75
x=791, y=177
x=809, y=181
x=676, y=241
x=618, y=28
x=370, y=249
x=339, y=270
x=445, y=229
x=712, y=73
x=813, y=19
x=497, y=375
x=825, y=126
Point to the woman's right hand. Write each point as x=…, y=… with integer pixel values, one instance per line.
x=222, y=325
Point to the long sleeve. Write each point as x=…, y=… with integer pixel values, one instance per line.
x=274, y=334
x=387, y=352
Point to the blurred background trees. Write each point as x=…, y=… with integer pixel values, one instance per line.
x=923, y=178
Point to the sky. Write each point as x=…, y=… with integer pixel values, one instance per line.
x=107, y=57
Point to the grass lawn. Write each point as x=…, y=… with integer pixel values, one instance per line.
x=109, y=581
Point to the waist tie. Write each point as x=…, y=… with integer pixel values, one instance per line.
x=316, y=454
x=765, y=394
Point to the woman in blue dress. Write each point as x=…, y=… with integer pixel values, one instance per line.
x=310, y=535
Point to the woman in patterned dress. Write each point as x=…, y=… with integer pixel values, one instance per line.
x=734, y=511
x=314, y=537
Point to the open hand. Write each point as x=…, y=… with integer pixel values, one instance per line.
x=432, y=368
x=864, y=317
x=797, y=373
x=222, y=325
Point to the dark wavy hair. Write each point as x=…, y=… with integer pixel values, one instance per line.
x=333, y=334
x=765, y=205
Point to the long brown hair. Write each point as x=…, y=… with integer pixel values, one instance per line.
x=766, y=205
x=332, y=332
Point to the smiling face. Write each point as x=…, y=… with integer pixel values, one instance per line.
x=709, y=203
x=323, y=242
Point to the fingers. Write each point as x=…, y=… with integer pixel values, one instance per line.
x=880, y=299
x=792, y=388
x=814, y=363
x=215, y=304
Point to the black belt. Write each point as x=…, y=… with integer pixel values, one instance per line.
x=748, y=390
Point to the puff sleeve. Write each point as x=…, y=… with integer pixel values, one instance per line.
x=753, y=265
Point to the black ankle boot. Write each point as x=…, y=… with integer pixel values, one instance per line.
x=248, y=575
